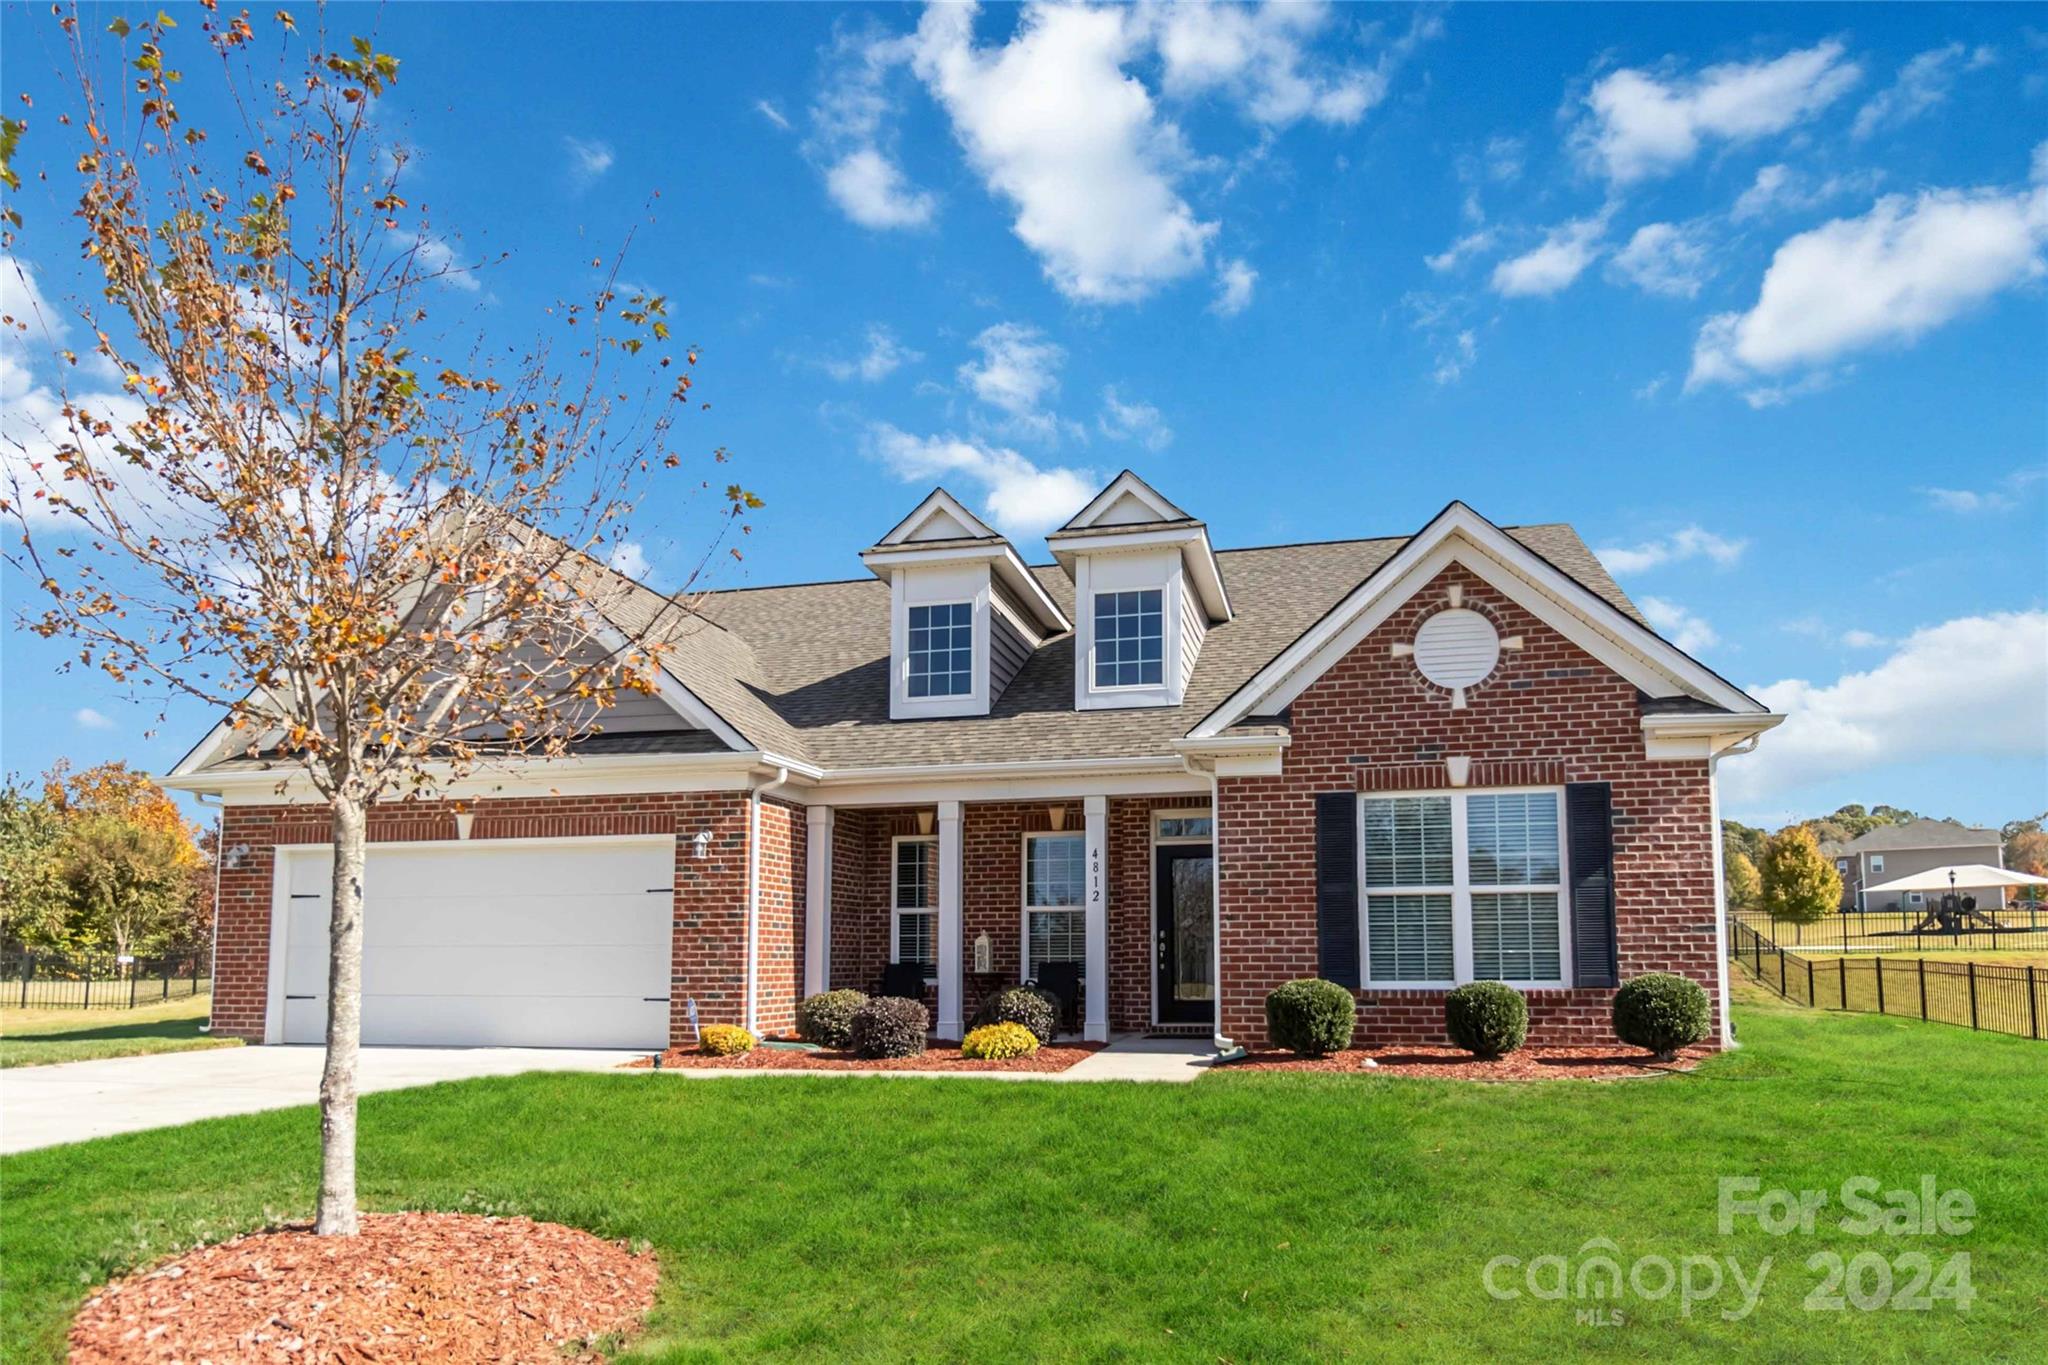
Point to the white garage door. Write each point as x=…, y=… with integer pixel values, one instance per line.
x=506, y=945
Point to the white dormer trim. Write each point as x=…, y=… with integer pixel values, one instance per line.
x=954, y=522
x=969, y=583
x=1159, y=569
x=1125, y=485
x=1460, y=535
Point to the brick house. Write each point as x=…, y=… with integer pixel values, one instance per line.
x=1398, y=763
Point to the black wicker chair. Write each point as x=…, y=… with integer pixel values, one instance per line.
x=1063, y=981
x=903, y=979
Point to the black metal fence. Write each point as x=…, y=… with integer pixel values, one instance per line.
x=101, y=981
x=2020, y=926
x=1996, y=998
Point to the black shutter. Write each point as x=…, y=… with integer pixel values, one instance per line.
x=1337, y=887
x=1589, y=839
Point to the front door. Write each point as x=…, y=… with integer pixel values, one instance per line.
x=1183, y=925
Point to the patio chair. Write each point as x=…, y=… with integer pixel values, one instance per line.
x=904, y=979
x=1062, y=980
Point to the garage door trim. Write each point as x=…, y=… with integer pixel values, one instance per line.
x=280, y=888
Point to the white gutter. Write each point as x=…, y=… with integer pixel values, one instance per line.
x=1024, y=767
x=753, y=991
x=220, y=855
x=1721, y=881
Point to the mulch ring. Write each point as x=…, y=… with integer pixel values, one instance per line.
x=938, y=1057
x=445, y=1287
x=1605, y=1062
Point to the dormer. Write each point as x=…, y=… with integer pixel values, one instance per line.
x=964, y=611
x=1146, y=592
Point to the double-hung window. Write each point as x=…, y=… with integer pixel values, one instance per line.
x=1054, y=877
x=914, y=891
x=941, y=650
x=1463, y=886
x=1130, y=638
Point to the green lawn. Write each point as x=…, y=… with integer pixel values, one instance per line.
x=38, y=1037
x=1247, y=1217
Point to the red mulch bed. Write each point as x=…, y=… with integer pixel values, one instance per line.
x=1607, y=1062
x=939, y=1057
x=411, y=1287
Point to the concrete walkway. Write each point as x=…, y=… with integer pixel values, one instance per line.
x=41, y=1106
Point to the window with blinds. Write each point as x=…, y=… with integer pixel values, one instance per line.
x=1055, y=929
x=914, y=901
x=1463, y=887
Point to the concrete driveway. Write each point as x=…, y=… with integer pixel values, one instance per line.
x=41, y=1106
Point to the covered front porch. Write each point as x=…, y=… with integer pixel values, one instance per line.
x=990, y=894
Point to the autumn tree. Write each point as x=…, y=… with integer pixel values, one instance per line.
x=32, y=893
x=373, y=545
x=1796, y=881
x=1743, y=886
x=2026, y=850
x=128, y=881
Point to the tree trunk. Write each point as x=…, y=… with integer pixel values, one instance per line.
x=337, y=1215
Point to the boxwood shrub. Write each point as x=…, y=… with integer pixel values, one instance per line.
x=1311, y=1017
x=1661, y=1012
x=1486, y=1018
x=999, y=1042
x=1035, y=1009
x=827, y=1017
x=890, y=1026
x=725, y=1040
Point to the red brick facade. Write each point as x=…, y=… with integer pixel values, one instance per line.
x=1549, y=713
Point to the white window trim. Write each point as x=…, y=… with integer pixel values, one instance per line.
x=1168, y=691
x=1166, y=599
x=1462, y=890
x=1190, y=813
x=974, y=624
x=1079, y=907
x=1877, y=862
x=896, y=914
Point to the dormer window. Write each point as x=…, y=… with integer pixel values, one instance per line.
x=1148, y=590
x=1130, y=638
x=941, y=650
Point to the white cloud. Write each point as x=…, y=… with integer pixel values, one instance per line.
x=881, y=357
x=1261, y=58
x=1664, y=258
x=589, y=159
x=1018, y=371
x=1779, y=188
x=1642, y=123
x=629, y=557
x=1132, y=421
x=1967, y=688
x=1906, y=267
x=433, y=258
x=1922, y=83
x=88, y=719
x=1691, y=542
x=1456, y=358
x=1561, y=258
x=1234, y=283
x=2003, y=498
x=1863, y=639
x=1057, y=128
x=1474, y=243
x=870, y=189
x=1679, y=625
x=767, y=109
x=1021, y=498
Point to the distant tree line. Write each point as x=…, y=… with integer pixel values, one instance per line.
x=1786, y=874
x=100, y=860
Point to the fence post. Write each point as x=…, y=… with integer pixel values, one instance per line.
x=28, y=969
x=1923, y=988
x=88, y=987
x=1972, y=964
x=1781, y=972
x=1879, y=963
x=134, y=981
x=1842, y=962
x=2033, y=1004
x=167, y=976
x=1809, y=982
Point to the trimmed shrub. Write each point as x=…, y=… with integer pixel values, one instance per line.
x=1661, y=1012
x=827, y=1017
x=1311, y=1017
x=1035, y=1009
x=890, y=1026
x=725, y=1040
x=1486, y=1018
x=999, y=1042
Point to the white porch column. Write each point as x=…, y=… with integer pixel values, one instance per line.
x=949, y=949
x=818, y=900
x=1095, y=920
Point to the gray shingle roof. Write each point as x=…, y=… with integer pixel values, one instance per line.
x=1920, y=834
x=803, y=670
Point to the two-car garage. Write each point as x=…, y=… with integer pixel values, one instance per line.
x=499, y=943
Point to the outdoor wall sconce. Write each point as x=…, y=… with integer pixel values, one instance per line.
x=700, y=845
x=235, y=856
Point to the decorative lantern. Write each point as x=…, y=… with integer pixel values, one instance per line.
x=984, y=954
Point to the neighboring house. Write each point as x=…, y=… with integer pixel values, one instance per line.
x=1892, y=851
x=1398, y=763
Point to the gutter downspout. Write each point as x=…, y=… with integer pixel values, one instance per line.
x=753, y=967
x=1721, y=886
x=220, y=854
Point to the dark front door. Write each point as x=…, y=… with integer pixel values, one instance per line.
x=1183, y=930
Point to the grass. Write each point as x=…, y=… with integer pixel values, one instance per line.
x=1246, y=1217
x=38, y=1037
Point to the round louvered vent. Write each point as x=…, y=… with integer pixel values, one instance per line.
x=1457, y=648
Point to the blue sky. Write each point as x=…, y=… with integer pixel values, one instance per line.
x=1751, y=295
